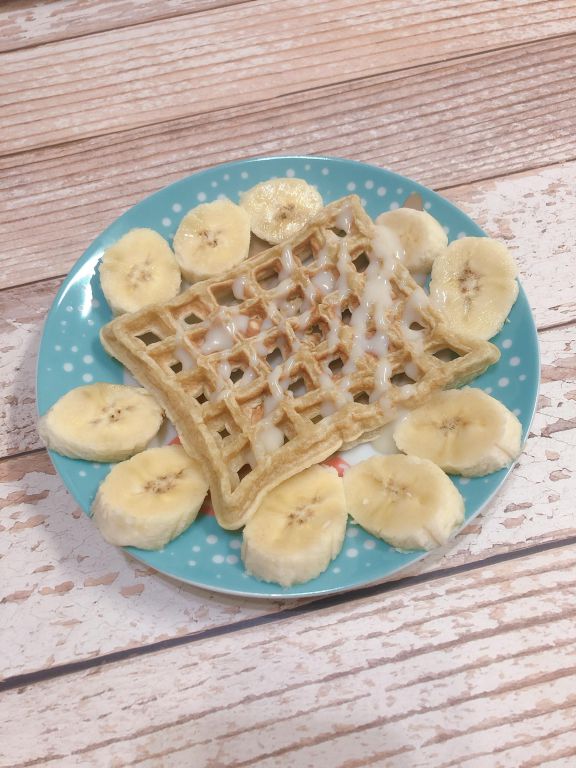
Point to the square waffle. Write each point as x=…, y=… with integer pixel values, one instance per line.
x=304, y=349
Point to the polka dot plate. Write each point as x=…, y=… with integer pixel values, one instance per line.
x=71, y=355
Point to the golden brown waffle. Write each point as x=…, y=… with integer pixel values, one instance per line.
x=286, y=359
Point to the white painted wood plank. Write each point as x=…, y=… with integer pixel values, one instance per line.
x=446, y=673
x=63, y=577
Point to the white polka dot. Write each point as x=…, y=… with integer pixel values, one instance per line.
x=214, y=184
x=503, y=382
x=235, y=544
x=290, y=173
x=48, y=369
x=90, y=321
x=95, y=303
x=201, y=196
x=399, y=191
x=336, y=570
x=231, y=559
x=88, y=359
x=62, y=322
x=166, y=221
x=393, y=206
x=221, y=196
x=325, y=171
x=87, y=377
x=243, y=175
x=381, y=191
x=463, y=481
x=74, y=349
x=369, y=184
x=69, y=308
x=363, y=200
x=351, y=533
x=352, y=552
x=192, y=562
x=218, y=575
x=176, y=207
x=196, y=549
x=82, y=473
x=217, y=559
x=488, y=390
x=522, y=377
x=350, y=186
x=307, y=167
x=516, y=411
x=460, y=235
x=507, y=343
x=446, y=229
x=68, y=367
x=427, y=206
x=57, y=348
x=370, y=544
x=211, y=539
x=514, y=361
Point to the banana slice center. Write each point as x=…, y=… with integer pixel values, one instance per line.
x=209, y=237
x=162, y=483
x=112, y=413
x=469, y=285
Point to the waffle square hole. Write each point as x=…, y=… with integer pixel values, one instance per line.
x=306, y=257
x=317, y=332
x=292, y=303
x=191, y=319
x=244, y=470
x=317, y=418
x=446, y=355
x=224, y=295
x=338, y=232
x=416, y=326
x=362, y=397
x=176, y=367
x=298, y=387
x=275, y=357
x=336, y=366
x=223, y=433
x=268, y=276
x=201, y=398
x=149, y=338
x=361, y=262
x=346, y=316
x=401, y=380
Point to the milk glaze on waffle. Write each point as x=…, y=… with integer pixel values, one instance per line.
x=303, y=349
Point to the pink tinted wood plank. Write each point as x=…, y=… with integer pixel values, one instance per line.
x=442, y=125
x=60, y=569
x=195, y=64
x=24, y=23
x=419, y=678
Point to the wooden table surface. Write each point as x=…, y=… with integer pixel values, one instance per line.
x=467, y=660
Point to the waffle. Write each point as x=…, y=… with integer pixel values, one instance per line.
x=304, y=349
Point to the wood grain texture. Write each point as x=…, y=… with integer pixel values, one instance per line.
x=24, y=23
x=474, y=670
x=65, y=578
x=443, y=125
x=203, y=62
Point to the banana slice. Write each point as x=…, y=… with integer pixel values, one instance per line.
x=463, y=431
x=473, y=285
x=101, y=422
x=138, y=270
x=211, y=239
x=298, y=528
x=150, y=499
x=422, y=237
x=407, y=501
x=280, y=207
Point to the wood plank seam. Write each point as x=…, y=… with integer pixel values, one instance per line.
x=175, y=15
x=41, y=675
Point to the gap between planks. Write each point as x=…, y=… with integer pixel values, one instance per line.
x=49, y=673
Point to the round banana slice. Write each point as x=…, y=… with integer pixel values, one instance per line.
x=463, y=431
x=150, y=499
x=473, y=285
x=422, y=237
x=298, y=528
x=407, y=501
x=211, y=239
x=139, y=270
x=280, y=207
x=101, y=422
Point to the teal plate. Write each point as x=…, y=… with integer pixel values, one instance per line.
x=71, y=355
